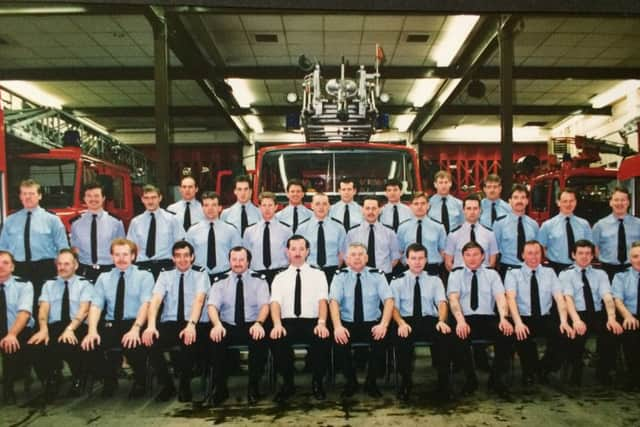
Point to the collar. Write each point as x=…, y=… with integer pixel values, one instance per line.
x=468, y=270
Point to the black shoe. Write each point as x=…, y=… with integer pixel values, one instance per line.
x=403, y=393
x=349, y=389
x=318, y=390
x=470, y=386
x=285, y=392
x=373, y=390
x=75, y=390
x=109, y=388
x=253, y=394
x=8, y=395
x=137, y=390
x=166, y=394
x=219, y=396
x=184, y=392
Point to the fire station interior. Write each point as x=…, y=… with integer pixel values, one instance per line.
x=201, y=89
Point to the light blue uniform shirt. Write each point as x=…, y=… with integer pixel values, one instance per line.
x=553, y=236
x=196, y=282
x=572, y=286
x=386, y=215
x=168, y=231
x=519, y=280
x=233, y=214
x=375, y=290
x=47, y=235
x=502, y=209
x=625, y=288
x=19, y=296
x=431, y=293
x=278, y=236
x=355, y=213
x=108, y=227
x=489, y=287
x=226, y=236
x=461, y=236
x=434, y=237
x=285, y=216
x=387, y=248
x=255, y=290
x=195, y=209
x=605, y=236
x=454, y=207
x=334, y=237
x=80, y=290
x=138, y=285
x=506, y=232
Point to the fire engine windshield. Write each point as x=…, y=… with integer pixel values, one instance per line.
x=321, y=170
x=56, y=177
x=593, y=196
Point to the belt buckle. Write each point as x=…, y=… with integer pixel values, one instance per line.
x=95, y=267
x=108, y=324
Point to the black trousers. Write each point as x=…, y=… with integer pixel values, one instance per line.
x=91, y=272
x=106, y=359
x=546, y=327
x=300, y=331
x=424, y=329
x=185, y=356
x=37, y=272
x=483, y=327
x=605, y=343
x=47, y=358
x=15, y=364
x=361, y=333
x=631, y=348
x=239, y=335
x=156, y=267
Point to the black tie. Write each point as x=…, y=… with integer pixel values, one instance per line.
x=494, y=213
x=322, y=250
x=295, y=219
x=419, y=232
x=151, y=238
x=4, y=328
x=444, y=214
x=187, y=217
x=571, y=240
x=297, y=302
x=358, y=309
x=347, y=218
x=535, y=295
x=371, y=248
x=622, y=242
x=521, y=238
x=244, y=221
x=417, y=299
x=588, y=296
x=239, y=311
x=94, y=240
x=118, y=311
x=266, y=246
x=396, y=218
x=473, y=232
x=180, y=316
x=474, y=291
x=27, y=238
x=64, y=311
x=211, y=248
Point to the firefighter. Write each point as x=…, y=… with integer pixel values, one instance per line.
x=92, y=233
x=242, y=213
x=394, y=212
x=295, y=212
x=181, y=293
x=154, y=232
x=559, y=234
x=444, y=207
x=188, y=210
x=346, y=210
x=614, y=234
x=267, y=240
x=212, y=238
x=492, y=206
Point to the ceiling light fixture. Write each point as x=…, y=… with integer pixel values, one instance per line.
x=241, y=92
x=614, y=94
x=403, y=121
x=33, y=93
x=454, y=32
x=422, y=91
x=254, y=123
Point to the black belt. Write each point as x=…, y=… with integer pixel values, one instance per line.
x=623, y=266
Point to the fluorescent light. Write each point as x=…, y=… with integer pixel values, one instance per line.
x=616, y=93
x=241, y=92
x=254, y=123
x=422, y=91
x=49, y=10
x=454, y=32
x=403, y=121
x=32, y=92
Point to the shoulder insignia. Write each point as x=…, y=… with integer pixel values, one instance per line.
x=260, y=275
x=513, y=267
x=197, y=268
x=20, y=279
x=113, y=215
x=434, y=220
x=375, y=270
x=285, y=224
x=353, y=226
x=457, y=268
x=75, y=218
x=500, y=218
x=315, y=266
x=390, y=227
x=484, y=226
x=341, y=270
x=405, y=220
x=169, y=269
x=336, y=220
x=231, y=224
x=303, y=221
x=171, y=212
x=456, y=229
x=571, y=267
x=397, y=276
x=220, y=277
x=51, y=212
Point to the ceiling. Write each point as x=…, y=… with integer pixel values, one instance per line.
x=99, y=63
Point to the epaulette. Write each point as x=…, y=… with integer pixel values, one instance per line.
x=169, y=269
x=403, y=221
x=20, y=279
x=571, y=267
x=375, y=270
x=75, y=218
x=227, y=222
x=285, y=224
x=315, y=266
x=260, y=275
x=354, y=226
x=501, y=218
x=390, y=227
x=488, y=228
x=337, y=220
x=513, y=267
x=303, y=221
x=171, y=212
x=113, y=215
x=456, y=269
x=397, y=276
x=220, y=277
x=51, y=212
x=434, y=220
x=197, y=268
x=341, y=270
x=598, y=266
x=455, y=229
x=83, y=278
